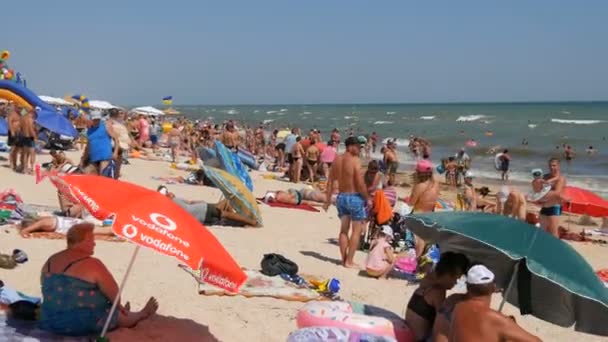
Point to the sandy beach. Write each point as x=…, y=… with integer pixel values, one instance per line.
x=184, y=315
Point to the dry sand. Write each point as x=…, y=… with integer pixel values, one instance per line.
x=184, y=315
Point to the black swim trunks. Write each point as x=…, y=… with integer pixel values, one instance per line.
x=280, y=147
x=12, y=141
x=26, y=142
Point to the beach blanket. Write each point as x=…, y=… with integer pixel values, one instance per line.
x=302, y=206
x=59, y=236
x=259, y=285
x=12, y=330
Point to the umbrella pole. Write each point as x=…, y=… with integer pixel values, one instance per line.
x=117, y=299
x=511, y=282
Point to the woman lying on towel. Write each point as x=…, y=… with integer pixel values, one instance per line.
x=58, y=224
x=210, y=213
x=308, y=196
x=78, y=290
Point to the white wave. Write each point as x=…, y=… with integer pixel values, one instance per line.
x=383, y=122
x=467, y=118
x=565, y=112
x=283, y=109
x=346, y=117
x=400, y=142
x=532, y=125
x=577, y=122
x=306, y=113
x=271, y=112
x=267, y=121
x=390, y=113
x=232, y=112
x=430, y=117
x=256, y=111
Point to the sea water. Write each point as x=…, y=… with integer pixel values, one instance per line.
x=545, y=126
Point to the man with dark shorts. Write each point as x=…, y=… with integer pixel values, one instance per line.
x=505, y=160
x=552, y=209
x=14, y=133
x=351, y=199
x=27, y=141
x=472, y=319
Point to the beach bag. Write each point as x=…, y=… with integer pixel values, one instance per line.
x=276, y=264
x=406, y=264
x=110, y=170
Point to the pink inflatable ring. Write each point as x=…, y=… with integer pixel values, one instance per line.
x=341, y=315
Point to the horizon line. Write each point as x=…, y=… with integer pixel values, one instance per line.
x=384, y=103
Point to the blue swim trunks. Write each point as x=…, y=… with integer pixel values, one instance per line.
x=351, y=204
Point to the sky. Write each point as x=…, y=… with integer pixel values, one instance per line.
x=305, y=52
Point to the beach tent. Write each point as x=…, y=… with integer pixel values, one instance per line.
x=148, y=110
x=97, y=104
x=55, y=101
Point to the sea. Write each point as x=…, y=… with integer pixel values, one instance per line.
x=546, y=127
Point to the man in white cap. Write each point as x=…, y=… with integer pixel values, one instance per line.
x=474, y=320
x=468, y=192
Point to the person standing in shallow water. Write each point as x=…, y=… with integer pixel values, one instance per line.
x=552, y=209
x=351, y=199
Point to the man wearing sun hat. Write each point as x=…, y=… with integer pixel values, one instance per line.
x=351, y=199
x=474, y=320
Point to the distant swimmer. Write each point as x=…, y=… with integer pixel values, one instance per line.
x=568, y=153
x=591, y=151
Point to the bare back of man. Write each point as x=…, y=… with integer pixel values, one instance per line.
x=230, y=139
x=350, y=202
x=474, y=321
x=14, y=131
x=28, y=143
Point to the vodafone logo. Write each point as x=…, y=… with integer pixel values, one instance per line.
x=129, y=231
x=163, y=221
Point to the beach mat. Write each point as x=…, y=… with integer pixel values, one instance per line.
x=259, y=285
x=302, y=206
x=59, y=236
x=12, y=330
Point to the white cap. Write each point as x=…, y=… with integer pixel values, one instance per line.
x=469, y=174
x=386, y=229
x=38, y=109
x=537, y=171
x=270, y=196
x=163, y=190
x=96, y=114
x=479, y=275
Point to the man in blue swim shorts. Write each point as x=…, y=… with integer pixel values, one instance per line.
x=351, y=200
x=552, y=209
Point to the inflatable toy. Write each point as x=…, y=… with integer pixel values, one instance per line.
x=471, y=143
x=167, y=127
x=497, y=161
x=241, y=171
x=22, y=96
x=342, y=315
x=248, y=159
x=84, y=102
x=333, y=334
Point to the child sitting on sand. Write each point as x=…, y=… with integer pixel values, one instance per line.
x=380, y=259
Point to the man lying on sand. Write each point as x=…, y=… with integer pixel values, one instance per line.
x=58, y=224
x=209, y=213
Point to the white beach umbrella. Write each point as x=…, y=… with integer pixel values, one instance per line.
x=97, y=104
x=55, y=100
x=148, y=110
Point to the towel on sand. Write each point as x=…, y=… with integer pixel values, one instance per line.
x=59, y=236
x=302, y=206
x=259, y=285
x=18, y=330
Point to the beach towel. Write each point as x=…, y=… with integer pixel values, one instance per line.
x=13, y=330
x=382, y=207
x=301, y=206
x=259, y=285
x=59, y=236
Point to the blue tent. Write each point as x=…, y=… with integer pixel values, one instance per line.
x=3, y=127
x=56, y=123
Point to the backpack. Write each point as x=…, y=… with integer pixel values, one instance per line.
x=276, y=264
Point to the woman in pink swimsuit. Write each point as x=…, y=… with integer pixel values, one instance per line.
x=144, y=130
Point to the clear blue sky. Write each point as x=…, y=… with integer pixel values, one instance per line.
x=256, y=51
